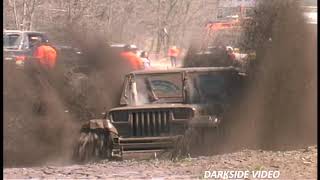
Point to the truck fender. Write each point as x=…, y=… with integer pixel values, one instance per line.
x=95, y=124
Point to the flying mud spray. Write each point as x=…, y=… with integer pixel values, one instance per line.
x=277, y=110
x=42, y=115
x=43, y=111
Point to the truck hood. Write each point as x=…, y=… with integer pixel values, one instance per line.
x=156, y=106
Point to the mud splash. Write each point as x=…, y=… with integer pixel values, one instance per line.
x=278, y=107
x=43, y=111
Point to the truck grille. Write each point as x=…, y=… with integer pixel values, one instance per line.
x=149, y=123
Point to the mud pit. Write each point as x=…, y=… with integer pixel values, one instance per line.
x=298, y=164
x=34, y=120
x=43, y=111
x=279, y=109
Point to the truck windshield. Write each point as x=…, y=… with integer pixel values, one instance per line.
x=209, y=87
x=159, y=88
x=11, y=41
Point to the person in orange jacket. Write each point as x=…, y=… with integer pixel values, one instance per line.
x=173, y=54
x=130, y=55
x=45, y=54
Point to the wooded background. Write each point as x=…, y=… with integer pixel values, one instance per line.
x=150, y=24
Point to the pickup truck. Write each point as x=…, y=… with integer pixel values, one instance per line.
x=17, y=46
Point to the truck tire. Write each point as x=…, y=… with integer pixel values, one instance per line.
x=186, y=144
x=93, y=145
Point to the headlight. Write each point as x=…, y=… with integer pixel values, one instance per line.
x=213, y=119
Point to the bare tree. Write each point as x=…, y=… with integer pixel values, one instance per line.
x=153, y=24
x=22, y=12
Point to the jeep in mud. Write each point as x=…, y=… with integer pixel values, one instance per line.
x=161, y=110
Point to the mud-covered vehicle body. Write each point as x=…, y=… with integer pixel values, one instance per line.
x=18, y=47
x=16, y=44
x=159, y=108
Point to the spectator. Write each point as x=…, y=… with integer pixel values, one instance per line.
x=145, y=60
x=173, y=54
x=44, y=53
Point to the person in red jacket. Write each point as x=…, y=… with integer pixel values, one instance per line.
x=45, y=54
x=130, y=55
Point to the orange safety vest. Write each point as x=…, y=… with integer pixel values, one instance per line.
x=134, y=60
x=46, y=55
x=173, y=52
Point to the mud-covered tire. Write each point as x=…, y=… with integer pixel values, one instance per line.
x=93, y=145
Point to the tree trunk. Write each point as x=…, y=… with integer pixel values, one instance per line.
x=158, y=47
x=23, y=24
x=15, y=14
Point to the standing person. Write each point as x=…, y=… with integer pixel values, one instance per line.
x=145, y=59
x=39, y=68
x=173, y=54
x=45, y=54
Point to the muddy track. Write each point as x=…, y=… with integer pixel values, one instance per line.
x=43, y=111
x=281, y=95
x=299, y=164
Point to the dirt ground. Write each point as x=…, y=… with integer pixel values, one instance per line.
x=296, y=164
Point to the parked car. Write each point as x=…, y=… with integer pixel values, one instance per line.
x=17, y=46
